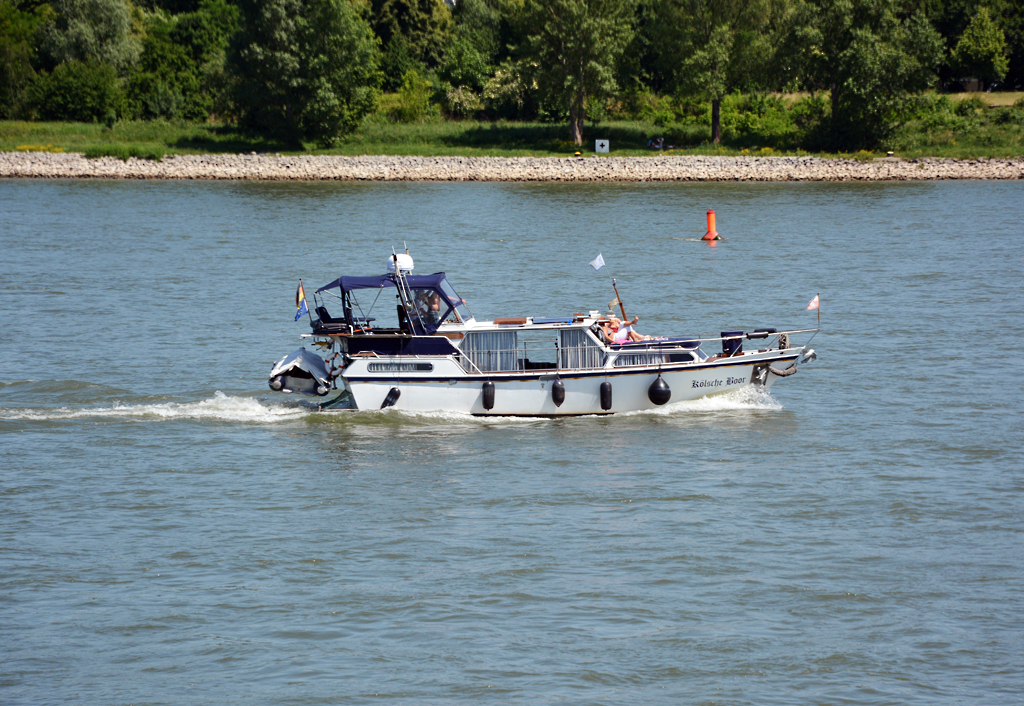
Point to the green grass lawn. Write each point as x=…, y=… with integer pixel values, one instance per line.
x=376, y=136
x=994, y=99
x=1000, y=134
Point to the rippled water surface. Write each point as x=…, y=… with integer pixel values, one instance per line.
x=171, y=532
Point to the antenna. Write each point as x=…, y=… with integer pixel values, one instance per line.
x=406, y=247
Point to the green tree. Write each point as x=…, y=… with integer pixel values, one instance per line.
x=82, y=91
x=178, y=71
x=424, y=25
x=480, y=23
x=573, y=47
x=711, y=47
x=18, y=29
x=1012, y=23
x=305, y=69
x=206, y=31
x=981, y=51
x=464, y=64
x=99, y=30
x=640, y=67
x=869, y=61
x=165, y=78
x=396, y=61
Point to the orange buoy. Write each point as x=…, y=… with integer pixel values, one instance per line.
x=712, y=234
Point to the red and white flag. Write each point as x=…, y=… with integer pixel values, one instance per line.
x=814, y=302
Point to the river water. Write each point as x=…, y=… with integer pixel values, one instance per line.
x=171, y=532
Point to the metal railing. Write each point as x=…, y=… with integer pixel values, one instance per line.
x=531, y=356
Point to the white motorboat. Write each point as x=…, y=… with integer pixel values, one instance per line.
x=436, y=356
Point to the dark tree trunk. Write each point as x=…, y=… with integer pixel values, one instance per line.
x=716, y=120
x=833, y=119
x=291, y=140
x=576, y=116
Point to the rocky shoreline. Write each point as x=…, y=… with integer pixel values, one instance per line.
x=269, y=167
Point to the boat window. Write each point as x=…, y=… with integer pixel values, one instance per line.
x=629, y=359
x=491, y=351
x=537, y=349
x=400, y=367
x=652, y=358
x=496, y=351
x=578, y=350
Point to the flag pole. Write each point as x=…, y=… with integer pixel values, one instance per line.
x=819, y=309
x=622, y=307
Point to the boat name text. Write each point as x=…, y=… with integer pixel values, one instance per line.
x=718, y=383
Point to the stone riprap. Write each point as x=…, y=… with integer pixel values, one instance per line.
x=655, y=168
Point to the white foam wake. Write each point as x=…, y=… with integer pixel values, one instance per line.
x=227, y=408
x=745, y=398
x=220, y=407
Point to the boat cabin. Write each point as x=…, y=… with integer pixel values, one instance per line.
x=424, y=302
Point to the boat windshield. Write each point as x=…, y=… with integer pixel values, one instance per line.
x=461, y=309
x=430, y=307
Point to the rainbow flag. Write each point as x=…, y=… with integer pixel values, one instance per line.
x=300, y=302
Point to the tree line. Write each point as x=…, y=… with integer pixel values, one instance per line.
x=311, y=70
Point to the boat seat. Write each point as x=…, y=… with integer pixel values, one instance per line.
x=326, y=318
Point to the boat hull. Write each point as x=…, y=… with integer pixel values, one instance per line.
x=518, y=394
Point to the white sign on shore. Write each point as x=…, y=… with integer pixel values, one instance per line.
x=601, y=146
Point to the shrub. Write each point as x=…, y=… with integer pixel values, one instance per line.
x=508, y=94
x=596, y=110
x=413, y=98
x=461, y=102
x=687, y=134
x=757, y=118
x=636, y=103
x=970, y=107
x=125, y=152
x=80, y=91
x=1008, y=116
x=938, y=113
x=662, y=117
x=809, y=112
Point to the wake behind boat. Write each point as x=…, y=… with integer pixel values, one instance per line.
x=416, y=346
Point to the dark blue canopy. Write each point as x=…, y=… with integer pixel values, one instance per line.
x=423, y=323
x=347, y=284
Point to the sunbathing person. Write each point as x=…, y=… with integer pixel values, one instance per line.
x=618, y=332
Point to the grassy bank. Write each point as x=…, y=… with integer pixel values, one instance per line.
x=964, y=126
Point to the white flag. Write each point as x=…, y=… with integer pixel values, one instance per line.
x=598, y=262
x=814, y=303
